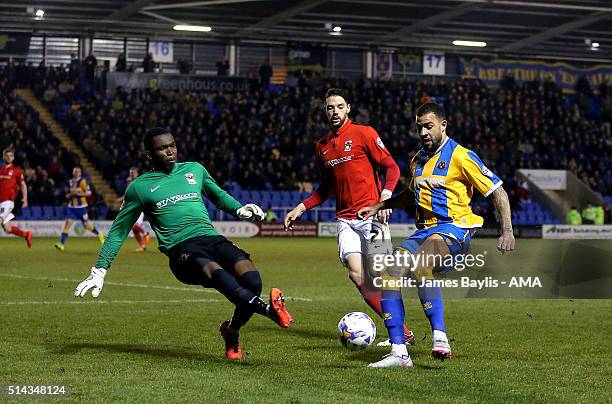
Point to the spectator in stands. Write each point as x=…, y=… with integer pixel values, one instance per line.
x=265, y=73
x=223, y=68
x=148, y=64
x=270, y=215
x=573, y=216
x=588, y=214
x=121, y=64
x=74, y=67
x=90, y=64
x=600, y=214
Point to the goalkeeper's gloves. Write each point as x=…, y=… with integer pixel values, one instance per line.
x=95, y=280
x=251, y=212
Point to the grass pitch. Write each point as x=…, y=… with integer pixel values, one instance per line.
x=149, y=338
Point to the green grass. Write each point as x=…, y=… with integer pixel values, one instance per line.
x=150, y=344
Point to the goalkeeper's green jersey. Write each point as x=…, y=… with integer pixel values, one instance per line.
x=173, y=206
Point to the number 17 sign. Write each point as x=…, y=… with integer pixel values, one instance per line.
x=433, y=63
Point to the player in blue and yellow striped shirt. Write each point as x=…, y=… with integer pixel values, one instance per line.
x=444, y=175
x=77, y=207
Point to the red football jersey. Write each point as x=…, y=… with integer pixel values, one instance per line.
x=349, y=159
x=10, y=179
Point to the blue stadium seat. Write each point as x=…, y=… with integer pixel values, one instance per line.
x=48, y=212
x=60, y=212
x=102, y=212
x=37, y=213
x=26, y=213
x=326, y=216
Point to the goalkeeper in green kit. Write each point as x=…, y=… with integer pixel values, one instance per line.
x=171, y=198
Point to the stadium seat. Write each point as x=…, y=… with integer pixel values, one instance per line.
x=37, y=213
x=48, y=212
x=102, y=212
x=60, y=212
x=26, y=213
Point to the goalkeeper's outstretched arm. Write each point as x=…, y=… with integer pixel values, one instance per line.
x=128, y=214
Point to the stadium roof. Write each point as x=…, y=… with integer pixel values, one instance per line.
x=556, y=29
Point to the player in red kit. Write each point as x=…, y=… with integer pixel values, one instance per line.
x=11, y=181
x=349, y=156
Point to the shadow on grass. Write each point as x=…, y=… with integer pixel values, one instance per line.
x=294, y=330
x=166, y=353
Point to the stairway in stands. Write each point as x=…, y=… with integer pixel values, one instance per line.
x=101, y=186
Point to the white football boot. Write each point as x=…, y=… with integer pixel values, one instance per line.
x=391, y=360
x=440, y=347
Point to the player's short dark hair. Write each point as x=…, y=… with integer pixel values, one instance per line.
x=437, y=109
x=153, y=133
x=331, y=92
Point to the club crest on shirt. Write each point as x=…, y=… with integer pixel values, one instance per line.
x=442, y=165
x=190, y=179
x=486, y=171
x=348, y=145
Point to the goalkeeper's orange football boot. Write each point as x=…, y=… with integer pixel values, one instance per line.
x=277, y=304
x=232, y=346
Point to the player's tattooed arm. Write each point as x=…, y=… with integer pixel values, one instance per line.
x=502, y=205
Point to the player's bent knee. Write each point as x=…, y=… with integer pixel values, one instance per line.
x=252, y=281
x=355, y=268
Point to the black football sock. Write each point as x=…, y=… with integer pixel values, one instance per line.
x=240, y=296
x=242, y=314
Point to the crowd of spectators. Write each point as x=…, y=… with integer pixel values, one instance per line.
x=263, y=138
x=47, y=165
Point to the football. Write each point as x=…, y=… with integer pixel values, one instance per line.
x=356, y=331
x=79, y=228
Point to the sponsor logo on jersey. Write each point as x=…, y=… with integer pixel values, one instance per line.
x=176, y=198
x=348, y=145
x=155, y=188
x=380, y=143
x=431, y=181
x=341, y=160
x=190, y=179
x=442, y=165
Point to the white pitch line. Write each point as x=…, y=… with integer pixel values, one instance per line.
x=133, y=285
x=139, y=285
x=46, y=302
